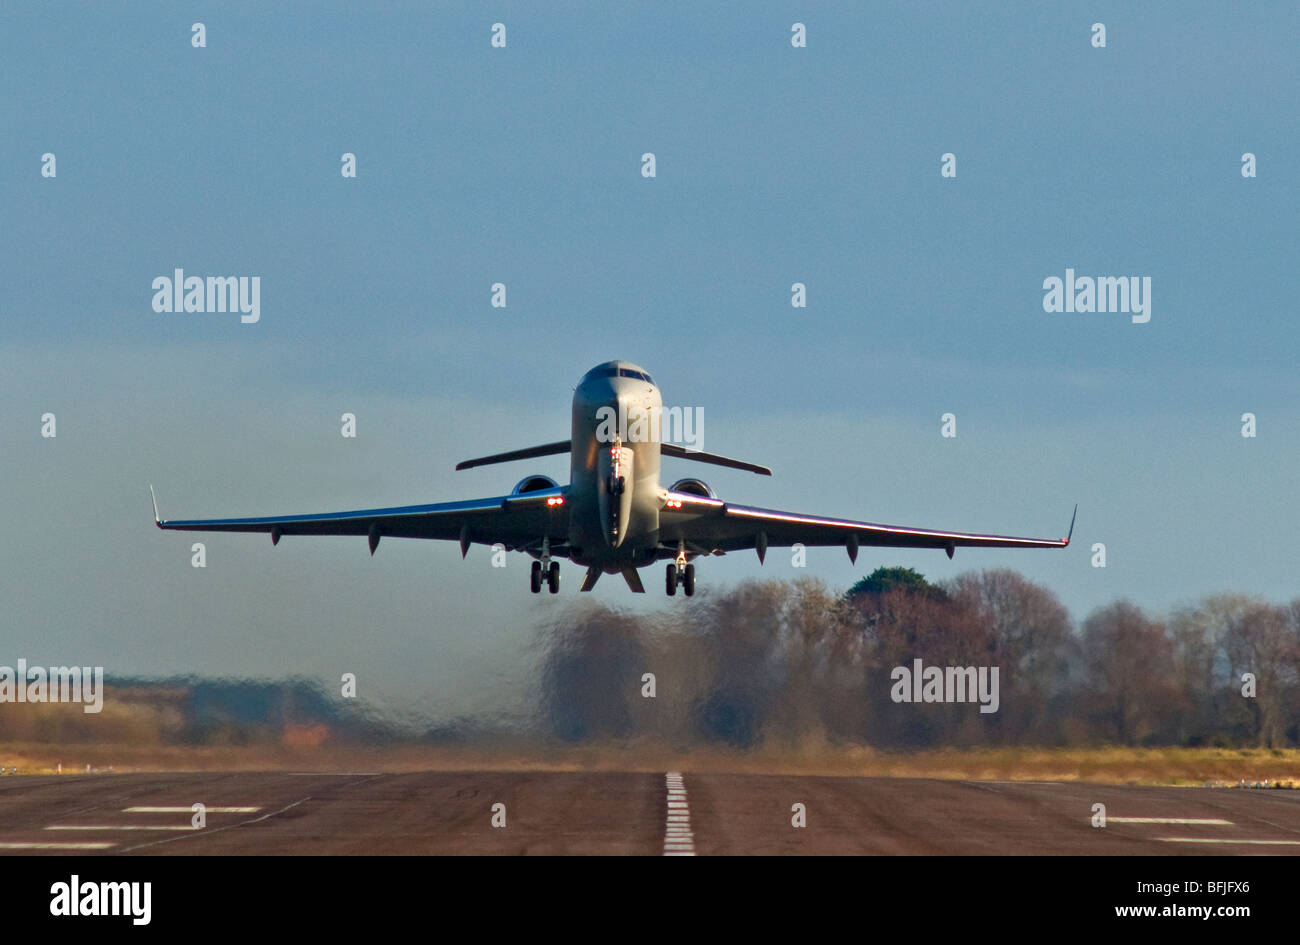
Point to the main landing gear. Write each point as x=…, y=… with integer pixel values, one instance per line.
x=685, y=576
x=545, y=570
x=550, y=575
x=679, y=572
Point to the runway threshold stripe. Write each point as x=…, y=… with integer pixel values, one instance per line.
x=122, y=827
x=56, y=846
x=678, y=838
x=1204, y=821
x=190, y=810
x=1258, y=843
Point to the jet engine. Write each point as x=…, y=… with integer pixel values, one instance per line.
x=693, y=487
x=533, y=484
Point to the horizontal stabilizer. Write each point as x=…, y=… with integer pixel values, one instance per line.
x=546, y=449
x=681, y=452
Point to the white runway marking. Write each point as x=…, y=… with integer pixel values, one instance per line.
x=678, y=838
x=1210, y=822
x=212, y=830
x=1258, y=843
x=56, y=846
x=189, y=810
x=122, y=827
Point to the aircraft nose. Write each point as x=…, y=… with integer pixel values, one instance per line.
x=609, y=392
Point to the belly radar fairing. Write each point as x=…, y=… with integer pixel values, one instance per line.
x=614, y=516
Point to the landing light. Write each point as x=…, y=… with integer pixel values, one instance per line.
x=555, y=500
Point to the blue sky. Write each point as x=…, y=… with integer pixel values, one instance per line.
x=522, y=165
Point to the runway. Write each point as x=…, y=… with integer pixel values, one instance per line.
x=644, y=813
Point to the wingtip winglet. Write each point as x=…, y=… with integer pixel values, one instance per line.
x=157, y=520
x=1070, y=534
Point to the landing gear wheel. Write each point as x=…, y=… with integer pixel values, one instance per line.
x=535, y=578
x=688, y=582
x=615, y=485
x=670, y=580
x=553, y=577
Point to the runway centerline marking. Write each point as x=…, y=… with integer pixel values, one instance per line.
x=679, y=840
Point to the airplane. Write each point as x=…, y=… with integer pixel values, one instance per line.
x=613, y=517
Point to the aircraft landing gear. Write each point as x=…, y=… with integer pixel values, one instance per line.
x=545, y=570
x=684, y=576
x=679, y=572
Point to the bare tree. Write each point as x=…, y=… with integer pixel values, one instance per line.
x=1029, y=635
x=1259, y=643
x=1128, y=665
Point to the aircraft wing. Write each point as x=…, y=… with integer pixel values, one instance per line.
x=516, y=521
x=710, y=525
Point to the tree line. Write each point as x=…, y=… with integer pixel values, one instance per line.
x=785, y=660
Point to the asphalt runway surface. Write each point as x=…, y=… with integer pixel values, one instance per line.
x=635, y=813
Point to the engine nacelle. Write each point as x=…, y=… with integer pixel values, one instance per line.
x=533, y=484
x=693, y=487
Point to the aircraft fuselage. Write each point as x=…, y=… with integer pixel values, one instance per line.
x=612, y=527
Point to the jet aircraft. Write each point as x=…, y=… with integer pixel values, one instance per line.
x=614, y=516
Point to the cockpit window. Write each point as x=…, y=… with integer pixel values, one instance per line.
x=622, y=372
